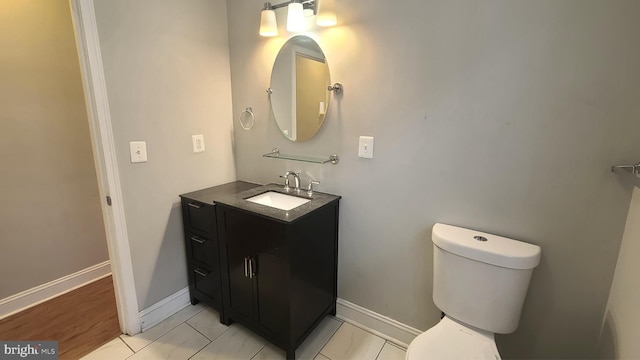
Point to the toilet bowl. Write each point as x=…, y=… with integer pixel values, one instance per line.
x=480, y=281
x=450, y=339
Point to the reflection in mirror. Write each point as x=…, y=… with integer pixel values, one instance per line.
x=299, y=81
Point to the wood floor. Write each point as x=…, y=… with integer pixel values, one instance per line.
x=81, y=320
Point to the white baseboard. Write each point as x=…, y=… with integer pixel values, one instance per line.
x=164, y=308
x=39, y=294
x=385, y=327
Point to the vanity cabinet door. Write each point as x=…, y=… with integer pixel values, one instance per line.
x=256, y=272
x=272, y=279
x=240, y=294
x=240, y=236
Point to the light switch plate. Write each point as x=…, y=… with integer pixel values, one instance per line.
x=198, y=143
x=365, y=147
x=138, y=151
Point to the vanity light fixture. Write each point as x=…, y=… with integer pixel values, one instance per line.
x=268, y=24
x=297, y=10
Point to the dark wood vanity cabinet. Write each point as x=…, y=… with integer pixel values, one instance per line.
x=273, y=271
x=279, y=278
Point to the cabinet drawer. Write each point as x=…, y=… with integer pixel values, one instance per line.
x=198, y=216
x=203, y=249
x=206, y=282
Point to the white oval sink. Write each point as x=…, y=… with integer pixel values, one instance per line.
x=278, y=200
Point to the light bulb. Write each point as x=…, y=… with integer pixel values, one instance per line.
x=295, y=18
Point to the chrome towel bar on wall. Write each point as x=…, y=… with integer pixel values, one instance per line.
x=634, y=169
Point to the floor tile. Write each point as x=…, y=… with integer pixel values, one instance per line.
x=392, y=352
x=351, y=342
x=271, y=352
x=310, y=348
x=196, y=333
x=318, y=338
x=141, y=340
x=115, y=349
x=178, y=344
x=235, y=343
x=207, y=322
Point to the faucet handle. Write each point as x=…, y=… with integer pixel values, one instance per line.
x=286, y=181
x=310, y=188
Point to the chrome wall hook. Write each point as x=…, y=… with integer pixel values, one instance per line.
x=336, y=88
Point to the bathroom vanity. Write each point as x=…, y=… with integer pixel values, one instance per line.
x=267, y=256
x=273, y=270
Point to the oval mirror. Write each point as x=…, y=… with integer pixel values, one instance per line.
x=298, y=94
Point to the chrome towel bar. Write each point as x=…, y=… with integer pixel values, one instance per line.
x=634, y=169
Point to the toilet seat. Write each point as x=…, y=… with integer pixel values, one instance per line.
x=450, y=339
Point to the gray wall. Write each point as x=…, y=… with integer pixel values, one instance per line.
x=167, y=73
x=501, y=116
x=619, y=337
x=50, y=218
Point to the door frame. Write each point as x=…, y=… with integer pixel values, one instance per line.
x=104, y=153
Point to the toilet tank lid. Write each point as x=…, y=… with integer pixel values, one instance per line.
x=487, y=248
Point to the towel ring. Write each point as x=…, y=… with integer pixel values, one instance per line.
x=247, y=119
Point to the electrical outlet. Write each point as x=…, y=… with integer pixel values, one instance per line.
x=198, y=143
x=365, y=147
x=138, y=151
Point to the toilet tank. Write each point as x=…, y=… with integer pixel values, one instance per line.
x=481, y=279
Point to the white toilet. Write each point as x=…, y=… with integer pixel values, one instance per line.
x=480, y=282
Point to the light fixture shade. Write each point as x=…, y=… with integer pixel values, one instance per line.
x=326, y=13
x=295, y=17
x=268, y=24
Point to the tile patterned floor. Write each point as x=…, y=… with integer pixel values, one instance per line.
x=196, y=333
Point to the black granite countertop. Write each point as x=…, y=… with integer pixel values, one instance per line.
x=234, y=194
x=209, y=195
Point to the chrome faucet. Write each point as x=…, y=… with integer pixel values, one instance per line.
x=296, y=179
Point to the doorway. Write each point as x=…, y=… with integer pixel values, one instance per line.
x=52, y=221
